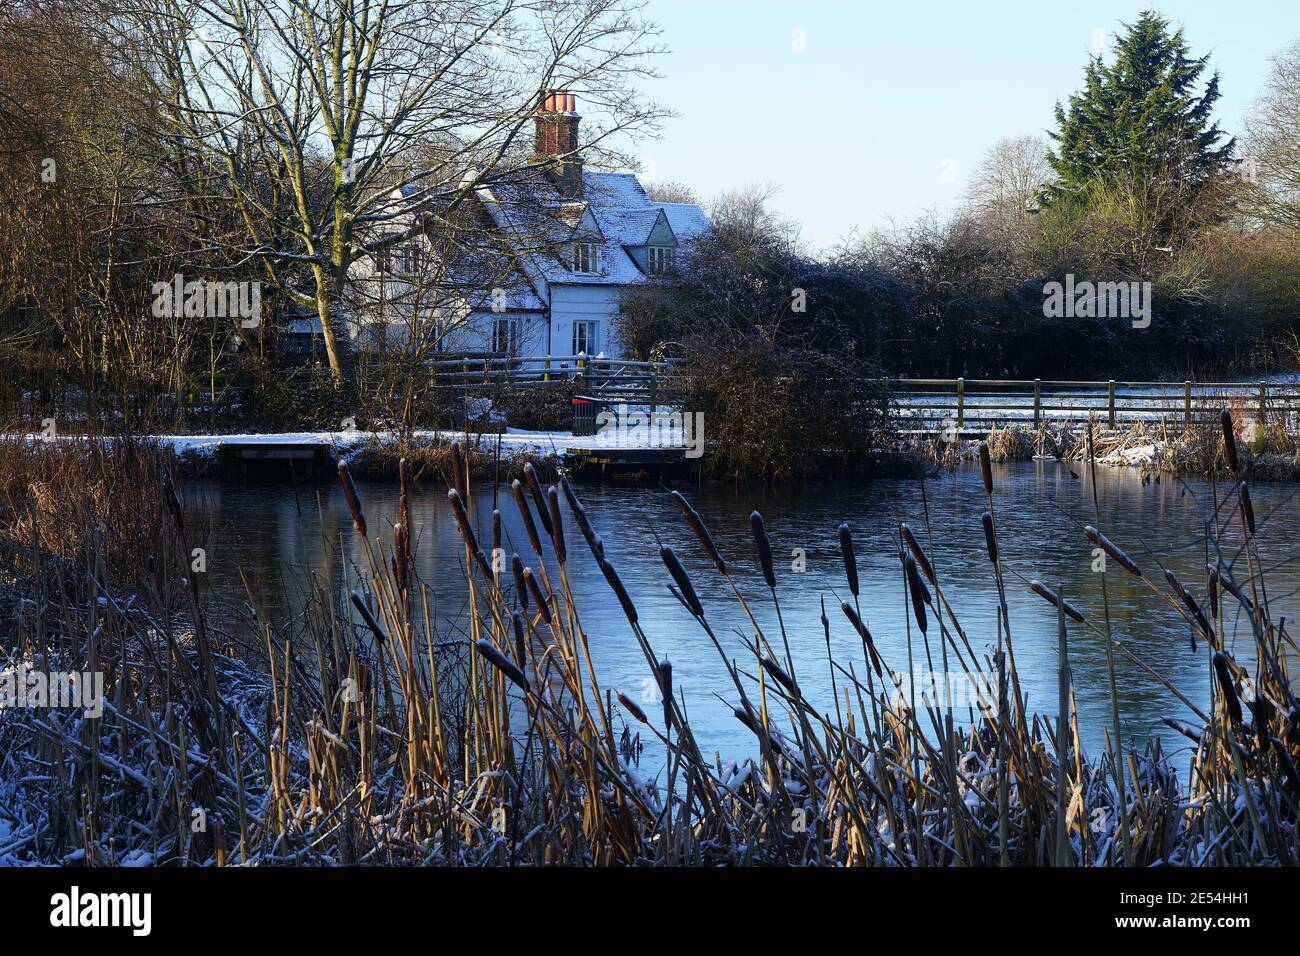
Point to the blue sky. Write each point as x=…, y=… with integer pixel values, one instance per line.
x=857, y=130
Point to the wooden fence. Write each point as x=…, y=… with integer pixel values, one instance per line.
x=611, y=380
x=979, y=404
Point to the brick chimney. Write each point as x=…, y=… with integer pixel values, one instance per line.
x=557, y=140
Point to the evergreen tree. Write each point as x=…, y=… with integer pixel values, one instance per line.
x=1139, y=123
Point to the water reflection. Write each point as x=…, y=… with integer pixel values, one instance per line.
x=280, y=537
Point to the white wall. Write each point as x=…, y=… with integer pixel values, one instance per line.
x=584, y=302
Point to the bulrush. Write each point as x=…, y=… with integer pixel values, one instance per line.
x=1193, y=608
x=1247, y=509
x=584, y=522
x=631, y=707
x=915, y=589
x=1229, y=441
x=850, y=558
x=620, y=592
x=990, y=536
x=496, y=534
x=458, y=471
x=986, y=467
x=1232, y=587
x=501, y=663
x=557, y=525
x=779, y=675
x=354, y=503
x=521, y=589
x=539, y=498
x=174, y=503
x=764, y=548
x=543, y=608
x=1212, y=575
x=1043, y=591
x=1227, y=687
x=467, y=532
x=915, y=547
x=697, y=525
x=369, y=618
x=664, y=672
x=1103, y=542
x=526, y=514
x=684, y=586
x=863, y=633
x=521, y=645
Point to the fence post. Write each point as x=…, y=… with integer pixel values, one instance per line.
x=1187, y=406
x=961, y=402
x=654, y=390
x=1038, y=401
x=1110, y=396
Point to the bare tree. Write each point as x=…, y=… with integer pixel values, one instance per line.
x=331, y=121
x=1271, y=166
x=1001, y=197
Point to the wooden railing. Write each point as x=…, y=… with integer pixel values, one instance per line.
x=920, y=404
x=976, y=404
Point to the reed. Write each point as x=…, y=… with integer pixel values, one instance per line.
x=359, y=732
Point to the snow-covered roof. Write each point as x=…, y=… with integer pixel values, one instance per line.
x=537, y=216
x=687, y=220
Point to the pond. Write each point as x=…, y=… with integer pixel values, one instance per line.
x=278, y=535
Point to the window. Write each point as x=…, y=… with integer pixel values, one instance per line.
x=412, y=258
x=661, y=260
x=584, y=337
x=586, y=257
x=505, y=336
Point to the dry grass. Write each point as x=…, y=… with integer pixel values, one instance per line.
x=366, y=737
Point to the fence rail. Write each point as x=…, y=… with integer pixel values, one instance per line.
x=970, y=404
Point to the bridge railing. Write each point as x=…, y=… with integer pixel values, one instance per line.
x=617, y=380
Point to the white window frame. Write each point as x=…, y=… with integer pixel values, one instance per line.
x=513, y=328
x=591, y=337
x=660, y=260
x=586, y=257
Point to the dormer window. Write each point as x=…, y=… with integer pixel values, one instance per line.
x=661, y=260
x=586, y=257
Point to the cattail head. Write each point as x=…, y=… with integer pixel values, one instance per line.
x=914, y=587
x=697, y=525
x=779, y=675
x=850, y=557
x=1229, y=441
x=502, y=663
x=1247, y=508
x=539, y=498
x=1103, y=542
x=631, y=707
x=521, y=589
x=620, y=592
x=354, y=503
x=521, y=645
x=863, y=633
x=1212, y=578
x=543, y=608
x=986, y=467
x=174, y=503
x=764, y=548
x=1055, y=599
x=467, y=532
x=526, y=514
x=369, y=618
x=1227, y=688
x=1193, y=608
x=458, y=471
x=917, y=552
x=664, y=673
x=496, y=531
x=682, y=579
x=990, y=536
x=557, y=525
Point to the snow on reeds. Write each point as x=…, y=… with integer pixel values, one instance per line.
x=357, y=733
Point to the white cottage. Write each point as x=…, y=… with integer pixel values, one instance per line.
x=572, y=241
